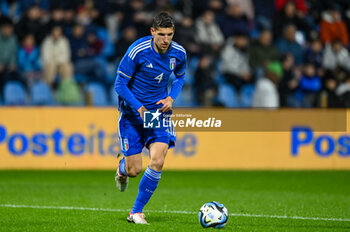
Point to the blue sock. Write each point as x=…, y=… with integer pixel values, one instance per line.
x=122, y=169
x=148, y=184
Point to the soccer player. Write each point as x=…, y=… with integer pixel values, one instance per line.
x=142, y=80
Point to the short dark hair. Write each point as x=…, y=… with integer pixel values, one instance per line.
x=163, y=19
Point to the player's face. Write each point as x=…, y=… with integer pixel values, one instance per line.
x=162, y=37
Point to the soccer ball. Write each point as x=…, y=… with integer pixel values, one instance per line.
x=213, y=214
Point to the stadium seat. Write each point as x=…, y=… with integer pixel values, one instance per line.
x=79, y=78
x=191, y=70
x=41, y=94
x=97, y=93
x=108, y=47
x=111, y=70
x=180, y=100
x=14, y=93
x=246, y=95
x=220, y=79
x=185, y=97
x=227, y=95
x=113, y=97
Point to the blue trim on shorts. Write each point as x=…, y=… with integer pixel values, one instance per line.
x=166, y=140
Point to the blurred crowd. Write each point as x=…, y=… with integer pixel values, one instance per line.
x=241, y=53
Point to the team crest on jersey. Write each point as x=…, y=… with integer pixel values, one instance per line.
x=172, y=63
x=125, y=144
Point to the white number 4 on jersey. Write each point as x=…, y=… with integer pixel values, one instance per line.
x=159, y=77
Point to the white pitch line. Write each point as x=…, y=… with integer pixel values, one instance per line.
x=172, y=212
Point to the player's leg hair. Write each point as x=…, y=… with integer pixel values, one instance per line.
x=152, y=175
x=133, y=165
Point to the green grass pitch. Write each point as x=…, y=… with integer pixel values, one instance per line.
x=256, y=201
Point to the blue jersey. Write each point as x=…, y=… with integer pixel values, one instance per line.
x=148, y=72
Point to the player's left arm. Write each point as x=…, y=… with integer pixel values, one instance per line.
x=176, y=86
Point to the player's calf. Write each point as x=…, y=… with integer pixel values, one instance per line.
x=133, y=165
x=133, y=171
x=121, y=176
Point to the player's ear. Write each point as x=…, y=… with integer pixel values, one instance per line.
x=152, y=31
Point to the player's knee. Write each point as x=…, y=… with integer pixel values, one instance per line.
x=157, y=164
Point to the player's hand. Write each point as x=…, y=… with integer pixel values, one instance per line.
x=141, y=110
x=167, y=104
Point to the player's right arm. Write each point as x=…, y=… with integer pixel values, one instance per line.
x=126, y=70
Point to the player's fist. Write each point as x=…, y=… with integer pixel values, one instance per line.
x=167, y=104
x=141, y=110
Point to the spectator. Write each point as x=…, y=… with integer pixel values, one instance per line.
x=68, y=21
x=9, y=11
x=95, y=44
x=197, y=31
x=289, y=82
x=25, y=5
x=4, y=18
x=209, y=34
x=333, y=28
x=129, y=36
x=136, y=15
x=204, y=82
x=235, y=62
x=83, y=16
x=336, y=55
x=78, y=43
x=8, y=48
x=32, y=23
x=347, y=17
x=57, y=19
x=199, y=6
x=29, y=59
x=235, y=21
x=266, y=94
x=314, y=55
x=264, y=9
x=113, y=17
x=188, y=8
x=288, y=44
x=343, y=92
x=186, y=36
x=56, y=54
x=299, y=4
x=310, y=86
x=289, y=15
x=331, y=81
x=83, y=57
x=218, y=7
x=246, y=6
x=160, y=5
x=262, y=51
